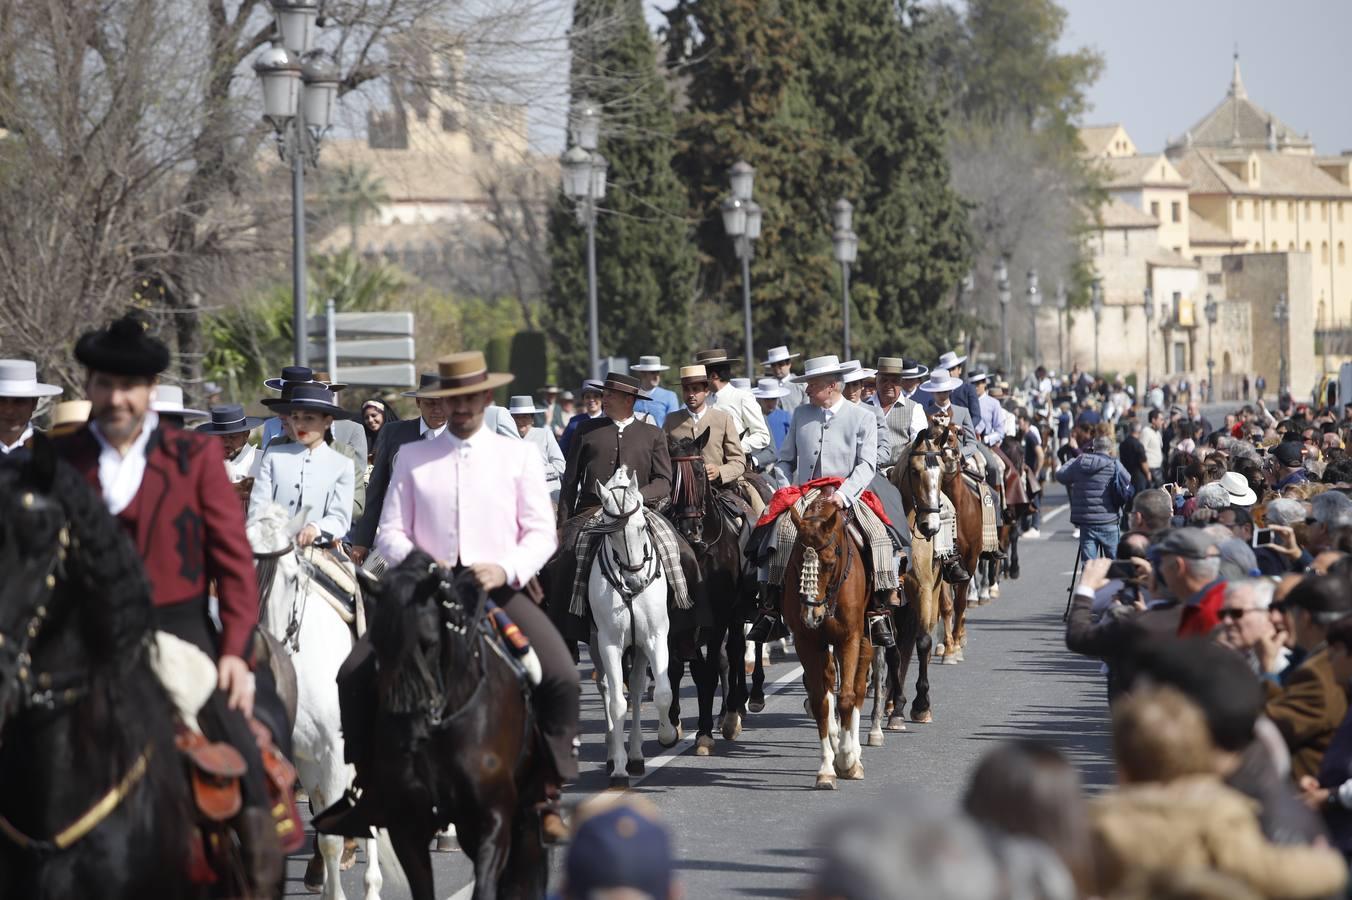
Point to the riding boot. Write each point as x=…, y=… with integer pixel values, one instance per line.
x=263, y=862
x=880, y=629
x=953, y=570
x=763, y=629
x=352, y=815
x=552, y=825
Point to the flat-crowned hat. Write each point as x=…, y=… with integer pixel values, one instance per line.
x=905, y=368
x=291, y=375
x=312, y=397
x=548, y=389
x=1288, y=453
x=522, y=405
x=714, y=357
x=821, y=366
x=1237, y=486
x=950, y=360
x=858, y=373
x=779, y=355
x=940, y=381
x=769, y=389
x=567, y=395
x=426, y=381
x=998, y=388
x=1190, y=543
x=694, y=373
x=19, y=378
x=465, y=373
x=67, y=416
x=335, y=386
x=741, y=383
x=624, y=384
x=229, y=419
x=169, y=399
x=978, y=377
x=594, y=385
x=125, y=347
x=649, y=364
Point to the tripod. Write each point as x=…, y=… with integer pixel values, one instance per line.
x=1074, y=577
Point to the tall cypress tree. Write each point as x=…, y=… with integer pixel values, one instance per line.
x=646, y=264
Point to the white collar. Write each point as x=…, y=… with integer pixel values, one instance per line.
x=696, y=416
x=622, y=424
x=436, y=432
x=120, y=474
x=465, y=444
x=6, y=449
x=834, y=408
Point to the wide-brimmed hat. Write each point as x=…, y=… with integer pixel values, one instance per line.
x=743, y=384
x=694, y=373
x=312, y=397
x=950, y=360
x=820, y=366
x=905, y=368
x=169, y=399
x=940, y=381
x=548, y=389
x=769, y=389
x=649, y=364
x=624, y=384
x=997, y=388
x=779, y=355
x=592, y=384
x=335, y=386
x=978, y=377
x=209, y=388
x=567, y=395
x=859, y=374
x=291, y=375
x=465, y=373
x=229, y=419
x=19, y=378
x=125, y=347
x=714, y=357
x=1237, y=486
x=67, y=416
x=522, y=405
x=426, y=381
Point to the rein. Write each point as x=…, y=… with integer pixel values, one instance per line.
x=692, y=498
x=91, y=819
x=265, y=572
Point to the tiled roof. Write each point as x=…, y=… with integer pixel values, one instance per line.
x=1120, y=214
x=1135, y=171
x=1200, y=231
x=1237, y=123
x=1279, y=175
x=1168, y=259
x=1096, y=138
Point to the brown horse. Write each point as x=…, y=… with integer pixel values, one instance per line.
x=826, y=593
x=966, y=502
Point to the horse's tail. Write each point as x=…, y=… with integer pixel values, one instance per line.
x=389, y=862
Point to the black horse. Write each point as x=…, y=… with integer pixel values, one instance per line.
x=93, y=802
x=455, y=740
x=727, y=586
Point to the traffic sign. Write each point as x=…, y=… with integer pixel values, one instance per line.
x=393, y=375
x=352, y=324
x=398, y=349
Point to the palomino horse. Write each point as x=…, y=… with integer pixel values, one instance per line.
x=294, y=610
x=728, y=585
x=967, y=508
x=826, y=593
x=627, y=593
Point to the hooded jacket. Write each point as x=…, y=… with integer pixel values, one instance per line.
x=1099, y=487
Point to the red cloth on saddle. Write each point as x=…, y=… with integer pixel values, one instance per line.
x=786, y=497
x=1200, y=619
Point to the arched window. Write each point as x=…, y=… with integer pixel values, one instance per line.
x=1274, y=210
x=1342, y=254
x=1324, y=253
x=1274, y=247
x=1308, y=248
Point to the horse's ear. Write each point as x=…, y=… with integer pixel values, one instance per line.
x=702, y=439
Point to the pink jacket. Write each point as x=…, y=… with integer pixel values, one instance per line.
x=481, y=500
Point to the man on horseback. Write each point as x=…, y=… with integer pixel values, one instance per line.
x=830, y=438
x=725, y=463
x=740, y=404
x=169, y=490
x=780, y=363
x=476, y=501
x=20, y=392
x=903, y=416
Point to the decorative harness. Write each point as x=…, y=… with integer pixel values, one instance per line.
x=614, y=568
x=931, y=456
x=809, y=574
x=265, y=570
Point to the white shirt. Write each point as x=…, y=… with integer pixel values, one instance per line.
x=6, y=449
x=436, y=432
x=696, y=416
x=120, y=476
x=830, y=411
x=244, y=464
x=746, y=415
x=623, y=423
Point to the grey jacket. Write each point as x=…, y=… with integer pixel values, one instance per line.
x=846, y=448
x=499, y=420
x=317, y=482
x=544, y=441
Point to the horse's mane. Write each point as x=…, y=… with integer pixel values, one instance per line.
x=690, y=489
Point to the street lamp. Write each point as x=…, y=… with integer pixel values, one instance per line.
x=1212, y=311
x=1149, y=317
x=1060, y=327
x=845, y=244
x=299, y=90
x=584, y=182
x=1034, y=303
x=1002, y=287
x=1281, y=314
x=742, y=222
x=1096, y=304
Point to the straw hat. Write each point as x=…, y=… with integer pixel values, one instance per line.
x=694, y=373
x=905, y=368
x=465, y=373
x=714, y=357
x=68, y=415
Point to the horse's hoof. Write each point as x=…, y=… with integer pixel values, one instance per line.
x=960, y=656
x=826, y=782
x=619, y=782
x=950, y=660
x=923, y=718
x=938, y=652
x=610, y=767
x=635, y=767
x=755, y=704
x=875, y=739
x=349, y=858
x=704, y=745
x=676, y=739
x=314, y=874
x=732, y=726
x=856, y=772
x=995, y=591
x=895, y=723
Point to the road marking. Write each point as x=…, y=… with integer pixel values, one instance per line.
x=1053, y=513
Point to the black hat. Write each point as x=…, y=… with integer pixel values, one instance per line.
x=624, y=384
x=291, y=375
x=229, y=419
x=125, y=347
x=1288, y=454
x=427, y=381
x=314, y=397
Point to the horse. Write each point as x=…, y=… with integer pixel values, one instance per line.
x=755, y=654
x=294, y=610
x=966, y=502
x=1016, y=504
x=825, y=596
x=728, y=585
x=93, y=798
x=627, y=593
x=455, y=737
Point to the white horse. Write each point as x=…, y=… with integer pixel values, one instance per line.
x=627, y=592
x=297, y=614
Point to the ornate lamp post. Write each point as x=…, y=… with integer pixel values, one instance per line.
x=299, y=90
x=1281, y=314
x=1034, y=304
x=742, y=222
x=1060, y=325
x=1096, y=304
x=1149, y=318
x=584, y=182
x=1212, y=310
x=845, y=244
x=1002, y=289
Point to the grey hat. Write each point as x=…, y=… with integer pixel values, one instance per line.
x=1103, y=444
x=1190, y=543
x=19, y=378
x=1237, y=559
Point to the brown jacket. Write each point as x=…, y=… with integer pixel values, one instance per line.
x=1308, y=711
x=599, y=448
x=722, y=450
x=1198, y=823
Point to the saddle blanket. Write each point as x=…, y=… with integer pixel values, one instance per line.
x=871, y=525
x=665, y=542
x=789, y=496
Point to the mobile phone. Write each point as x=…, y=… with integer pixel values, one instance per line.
x=1263, y=536
x=1180, y=474
x=1122, y=569
x=1169, y=487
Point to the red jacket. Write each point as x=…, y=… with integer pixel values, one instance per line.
x=187, y=524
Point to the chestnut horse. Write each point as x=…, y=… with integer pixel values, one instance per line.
x=967, y=505
x=826, y=593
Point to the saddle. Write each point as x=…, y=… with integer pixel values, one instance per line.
x=337, y=575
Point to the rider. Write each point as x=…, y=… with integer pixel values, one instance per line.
x=20, y=391
x=903, y=416
x=740, y=403
x=724, y=461
x=477, y=501
x=780, y=363
x=169, y=491
x=963, y=395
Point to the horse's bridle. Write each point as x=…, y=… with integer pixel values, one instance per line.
x=830, y=599
x=611, y=563
x=265, y=573
x=920, y=506
x=694, y=509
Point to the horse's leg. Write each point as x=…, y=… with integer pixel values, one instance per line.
x=668, y=726
x=863, y=666
x=612, y=663
x=706, y=682
x=325, y=779
x=735, y=643
x=847, y=709
x=899, y=662
x=832, y=698
x=750, y=654
x=638, y=683
x=757, y=701
x=920, y=709
x=878, y=685
x=819, y=705
x=410, y=844
x=946, y=618
x=490, y=858
x=374, y=880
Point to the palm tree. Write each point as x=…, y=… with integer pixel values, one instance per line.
x=357, y=195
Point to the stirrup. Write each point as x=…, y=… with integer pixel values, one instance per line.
x=349, y=816
x=954, y=572
x=880, y=631
x=763, y=629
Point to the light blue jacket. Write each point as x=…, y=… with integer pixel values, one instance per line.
x=316, y=483
x=846, y=447
x=662, y=404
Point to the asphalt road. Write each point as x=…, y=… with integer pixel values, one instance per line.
x=745, y=819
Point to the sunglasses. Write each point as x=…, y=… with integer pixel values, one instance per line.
x=1234, y=615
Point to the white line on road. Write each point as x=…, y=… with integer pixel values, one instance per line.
x=1053, y=513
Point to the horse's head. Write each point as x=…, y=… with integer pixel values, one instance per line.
x=690, y=485
x=949, y=442
x=925, y=476
x=821, y=533
x=272, y=534
x=620, y=496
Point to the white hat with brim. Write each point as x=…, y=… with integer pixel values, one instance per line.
x=742, y=383
x=940, y=382
x=950, y=360
x=860, y=375
x=779, y=355
x=19, y=378
x=769, y=389
x=1237, y=486
x=522, y=405
x=821, y=367
x=169, y=399
x=649, y=364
